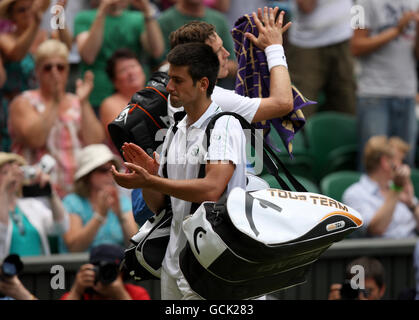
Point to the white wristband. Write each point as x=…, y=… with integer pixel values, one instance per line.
x=275, y=56
x=99, y=217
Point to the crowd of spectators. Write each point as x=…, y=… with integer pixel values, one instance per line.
x=66, y=72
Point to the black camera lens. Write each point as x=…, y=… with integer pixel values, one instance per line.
x=347, y=292
x=106, y=272
x=12, y=266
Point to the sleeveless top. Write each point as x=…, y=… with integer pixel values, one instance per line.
x=63, y=142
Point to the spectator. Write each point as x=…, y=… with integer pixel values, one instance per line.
x=387, y=90
x=100, y=279
x=26, y=222
x=18, y=47
x=101, y=31
x=127, y=76
x=193, y=72
x=319, y=56
x=384, y=196
x=185, y=11
x=11, y=288
x=99, y=214
x=49, y=120
x=373, y=282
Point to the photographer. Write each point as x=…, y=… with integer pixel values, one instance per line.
x=101, y=279
x=25, y=222
x=374, y=286
x=11, y=288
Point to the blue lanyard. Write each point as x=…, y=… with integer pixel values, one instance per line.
x=17, y=218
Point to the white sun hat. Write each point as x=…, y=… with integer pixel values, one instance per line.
x=92, y=157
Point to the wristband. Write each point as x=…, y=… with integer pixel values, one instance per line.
x=98, y=217
x=275, y=56
x=395, y=187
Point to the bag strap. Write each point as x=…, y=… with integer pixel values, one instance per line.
x=270, y=159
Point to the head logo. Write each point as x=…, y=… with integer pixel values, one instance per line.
x=123, y=115
x=198, y=232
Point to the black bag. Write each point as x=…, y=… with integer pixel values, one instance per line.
x=143, y=260
x=144, y=115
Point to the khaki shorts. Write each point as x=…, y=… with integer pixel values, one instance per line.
x=325, y=70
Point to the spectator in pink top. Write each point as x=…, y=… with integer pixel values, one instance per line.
x=50, y=120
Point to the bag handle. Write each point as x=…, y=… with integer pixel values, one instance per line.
x=270, y=159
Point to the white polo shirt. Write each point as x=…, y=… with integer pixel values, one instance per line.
x=184, y=156
x=365, y=197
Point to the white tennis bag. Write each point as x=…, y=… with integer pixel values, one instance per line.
x=261, y=241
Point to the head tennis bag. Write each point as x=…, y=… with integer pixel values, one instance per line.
x=144, y=115
x=261, y=241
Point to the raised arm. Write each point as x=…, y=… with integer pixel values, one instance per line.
x=91, y=128
x=280, y=100
x=89, y=42
x=362, y=43
x=63, y=34
x=30, y=127
x=15, y=49
x=152, y=38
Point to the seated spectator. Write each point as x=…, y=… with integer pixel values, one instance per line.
x=128, y=77
x=50, y=120
x=384, y=196
x=99, y=213
x=371, y=287
x=18, y=46
x=26, y=222
x=100, y=31
x=92, y=283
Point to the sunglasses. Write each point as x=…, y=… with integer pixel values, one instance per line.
x=48, y=67
x=103, y=169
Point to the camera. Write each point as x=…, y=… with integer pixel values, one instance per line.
x=106, y=272
x=349, y=293
x=11, y=266
x=46, y=164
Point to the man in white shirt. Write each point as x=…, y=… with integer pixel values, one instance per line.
x=384, y=196
x=193, y=72
x=270, y=39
